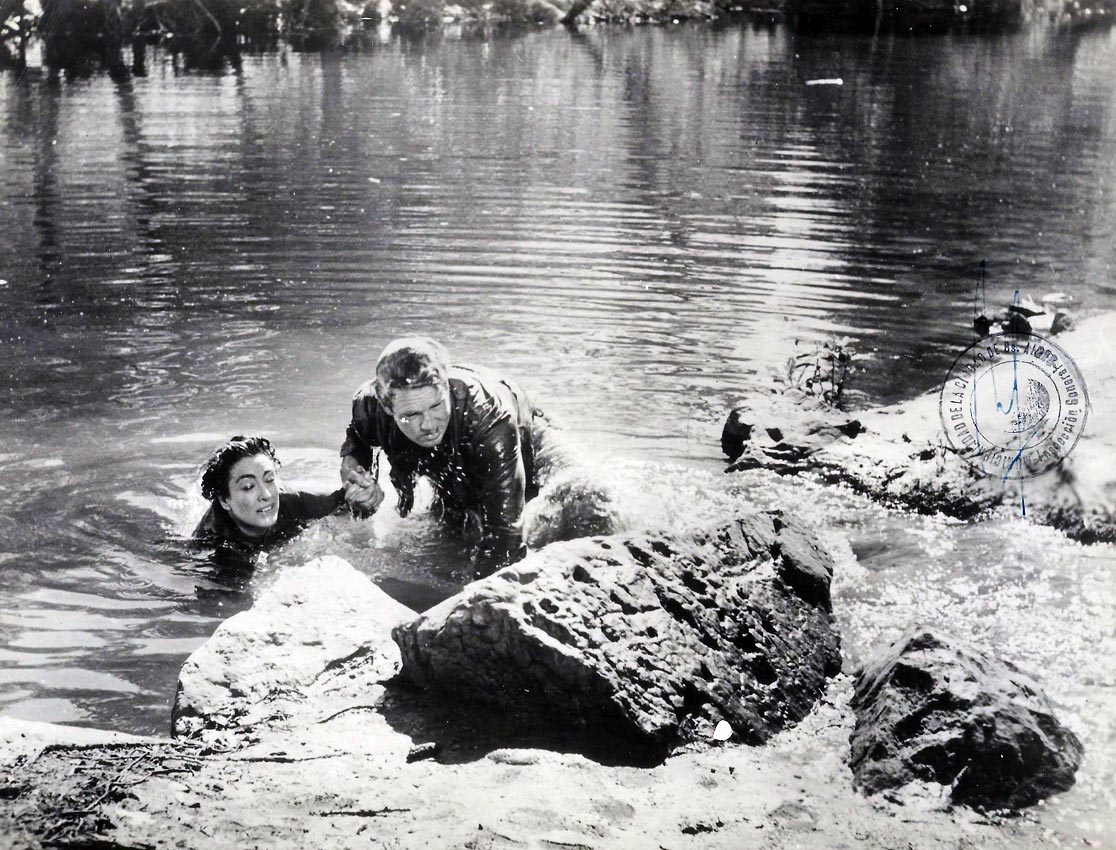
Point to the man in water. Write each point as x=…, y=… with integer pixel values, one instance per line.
x=468, y=430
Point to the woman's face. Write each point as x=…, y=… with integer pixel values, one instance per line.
x=253, y=500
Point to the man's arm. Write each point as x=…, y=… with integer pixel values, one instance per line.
x=500, y=467
x=360, y=437
x=360, y=488
x=363, y=436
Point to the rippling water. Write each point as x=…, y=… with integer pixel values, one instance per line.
x=637, y=223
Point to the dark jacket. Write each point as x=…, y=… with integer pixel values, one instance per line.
x=485, y=462
x=296, y=509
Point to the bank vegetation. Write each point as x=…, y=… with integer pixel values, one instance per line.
x=115, y=34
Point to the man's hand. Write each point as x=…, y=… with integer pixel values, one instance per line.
x=362, y=492
x=349, y=465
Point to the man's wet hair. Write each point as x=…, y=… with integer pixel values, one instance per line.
x=409, y=363
x=216, y=470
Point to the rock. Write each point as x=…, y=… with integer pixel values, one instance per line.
x=367, y=775
x=572, y=502
x=898, y=454
x=897, y=458
x=651, y=639
x=781, y=431
x=570, y=505
x=316, y=620
x=933, y=708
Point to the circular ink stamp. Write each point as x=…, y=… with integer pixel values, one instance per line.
x=1013, y=405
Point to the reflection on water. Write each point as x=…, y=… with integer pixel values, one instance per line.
x=654, y=198
x=635, y=223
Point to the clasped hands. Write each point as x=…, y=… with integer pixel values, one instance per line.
x=363, y=494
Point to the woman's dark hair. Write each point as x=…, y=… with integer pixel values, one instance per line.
x=215, y=471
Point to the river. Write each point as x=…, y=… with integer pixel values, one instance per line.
x=638, y=223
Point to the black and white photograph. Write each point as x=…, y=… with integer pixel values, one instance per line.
x=558, y=424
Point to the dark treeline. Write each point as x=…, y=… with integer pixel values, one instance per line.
x=77, y=33
x=88, y=34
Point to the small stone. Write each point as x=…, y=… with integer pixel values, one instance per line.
x=419, y=752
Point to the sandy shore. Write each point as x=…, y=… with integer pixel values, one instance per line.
x=347, y=783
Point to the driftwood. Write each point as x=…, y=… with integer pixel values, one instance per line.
x=57, y=796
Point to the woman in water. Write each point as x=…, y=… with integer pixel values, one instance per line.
x=248, y=510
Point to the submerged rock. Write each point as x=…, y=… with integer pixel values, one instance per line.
x=933, y=708
x=572, y=502
x=899, y=456
x=651, y=639
x=570, y=506
x=316, y=621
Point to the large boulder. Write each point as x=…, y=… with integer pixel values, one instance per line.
x=898, y=455
x=652, y=639
x=933, y=708
x=314, y=621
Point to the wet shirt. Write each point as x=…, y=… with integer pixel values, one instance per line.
x=296, y=509
x=484, y=464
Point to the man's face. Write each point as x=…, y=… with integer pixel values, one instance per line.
x=422, y=414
